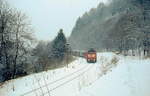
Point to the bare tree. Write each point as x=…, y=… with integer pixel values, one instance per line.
x=15, y=40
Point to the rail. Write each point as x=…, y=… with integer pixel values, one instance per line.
x=62, y=78
x=67, y=81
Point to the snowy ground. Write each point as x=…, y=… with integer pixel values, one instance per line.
x=131, y=77
x=112, y=75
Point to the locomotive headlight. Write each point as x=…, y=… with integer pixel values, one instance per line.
x=89, y=55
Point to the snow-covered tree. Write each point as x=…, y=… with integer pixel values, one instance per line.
x=15, y=39
x=58, y=47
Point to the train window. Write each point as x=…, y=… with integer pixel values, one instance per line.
x=93, y=55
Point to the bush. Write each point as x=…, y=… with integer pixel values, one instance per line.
x=114, y=60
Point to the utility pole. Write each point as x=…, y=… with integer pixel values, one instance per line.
x=67, y=53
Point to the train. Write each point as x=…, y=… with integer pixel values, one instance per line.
x=90, y=55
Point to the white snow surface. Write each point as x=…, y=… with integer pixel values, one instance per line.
x=128, y=76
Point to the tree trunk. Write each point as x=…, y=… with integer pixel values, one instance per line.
x=17, y=49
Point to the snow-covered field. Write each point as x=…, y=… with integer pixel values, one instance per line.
x=112, y=75
x=131, y=77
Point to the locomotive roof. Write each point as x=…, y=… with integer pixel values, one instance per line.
x=92, y=50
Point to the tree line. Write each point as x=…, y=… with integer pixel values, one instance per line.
x=54, y=54
x=122, y=26
x=15, y=39
x=18, y=56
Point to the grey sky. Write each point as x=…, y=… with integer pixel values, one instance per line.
x=48, y=16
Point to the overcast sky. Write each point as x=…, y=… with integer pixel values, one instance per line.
x=48, y=16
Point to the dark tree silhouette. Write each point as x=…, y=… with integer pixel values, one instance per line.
x=59, y=47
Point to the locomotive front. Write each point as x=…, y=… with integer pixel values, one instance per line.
x=91, y=56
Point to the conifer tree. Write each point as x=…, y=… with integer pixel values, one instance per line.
x=59, y=47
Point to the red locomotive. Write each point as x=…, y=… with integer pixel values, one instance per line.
x=91, y=56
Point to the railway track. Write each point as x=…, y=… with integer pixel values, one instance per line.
x=51, y=86
x=67, y=81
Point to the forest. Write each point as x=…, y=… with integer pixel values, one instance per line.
x=20, y=52
x=121, y=26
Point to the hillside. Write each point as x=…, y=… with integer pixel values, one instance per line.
x=113, y=26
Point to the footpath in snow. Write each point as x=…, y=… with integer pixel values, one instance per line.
x=112, y=75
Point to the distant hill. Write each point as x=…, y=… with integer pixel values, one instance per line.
x=121, y=24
